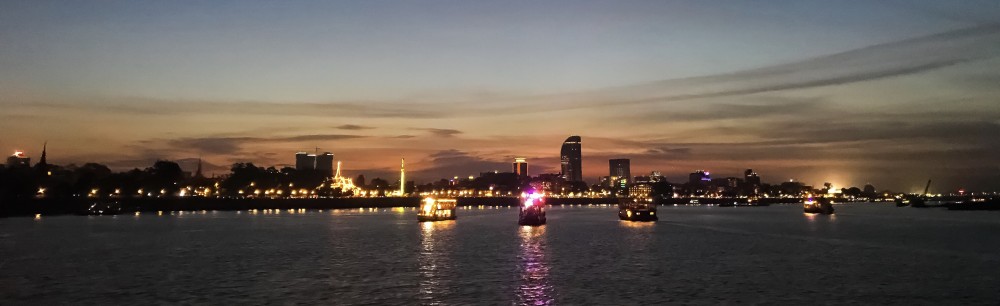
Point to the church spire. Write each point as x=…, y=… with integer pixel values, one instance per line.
x=42, y=163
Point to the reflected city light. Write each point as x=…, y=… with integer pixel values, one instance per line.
x=534, y=288
x=433, y=257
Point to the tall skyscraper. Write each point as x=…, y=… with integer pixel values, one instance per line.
x=571, y=159
x=324, y=163
x=305, y=161
x=521, y=166
x=620, y=169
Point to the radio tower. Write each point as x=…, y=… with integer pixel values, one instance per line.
x=402, y=176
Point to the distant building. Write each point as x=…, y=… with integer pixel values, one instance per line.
x=324, y=163
x=620, y=168
x=305, y=161
x=653, y=177
x=700, y=177
x=18, y=160
x=571, y=159
x=640, y=190
x=751, y=178
x=521, y=166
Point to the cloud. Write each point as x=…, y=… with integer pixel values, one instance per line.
x=893, y=59
x=354, y=127
x=232, y=145
x=669, y=151
x=452, y=162
x=445, y=133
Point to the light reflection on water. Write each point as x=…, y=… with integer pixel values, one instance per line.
x=534, y=288
x=433, y=258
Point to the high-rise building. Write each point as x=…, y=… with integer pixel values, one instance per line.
x=700, y=177
x=571, y=159
x=18, y=160
x=751, y=178
x=521, y=166
x=324, y=163
x=305, y=161
x=620, y=169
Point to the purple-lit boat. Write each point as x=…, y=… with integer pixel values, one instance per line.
x=532, y=210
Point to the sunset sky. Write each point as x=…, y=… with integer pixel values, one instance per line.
x=850, y=92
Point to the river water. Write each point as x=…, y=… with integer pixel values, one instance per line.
x=864, y=254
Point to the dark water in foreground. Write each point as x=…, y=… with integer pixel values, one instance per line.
x=863, y=254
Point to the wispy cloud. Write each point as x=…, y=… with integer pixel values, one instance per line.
x=230, y=145
x=445, y=133
x=354, y=127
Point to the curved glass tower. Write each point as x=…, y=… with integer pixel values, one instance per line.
x=571, y=160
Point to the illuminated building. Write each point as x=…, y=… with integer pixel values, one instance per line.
x=18, y=160
x=620, y=176
x=324, y=163
x=521, y=166
x=640, y=190
x=305, y=161
x=700, y=177
x=620, y=168
x=571, y=159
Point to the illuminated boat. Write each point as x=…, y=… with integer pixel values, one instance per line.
x=817, y=206
x=433, y=209
x=639, y=209
x=532, y=210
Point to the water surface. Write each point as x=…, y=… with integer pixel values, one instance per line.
x=866, y=253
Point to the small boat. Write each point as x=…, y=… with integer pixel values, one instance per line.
x=820, y=206
x=433, y=209
x=640, y=209
x=532, y=210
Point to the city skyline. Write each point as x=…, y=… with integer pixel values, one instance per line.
x=890, y=93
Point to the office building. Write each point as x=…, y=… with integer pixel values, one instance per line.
x=521, y=166
x=324, y=163
x=571, y=159
x=620, y=168
x=305, y=161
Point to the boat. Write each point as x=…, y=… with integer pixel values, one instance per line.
x=532, y=210
x=818, y=206
x=637, y=209
x=434, y=209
